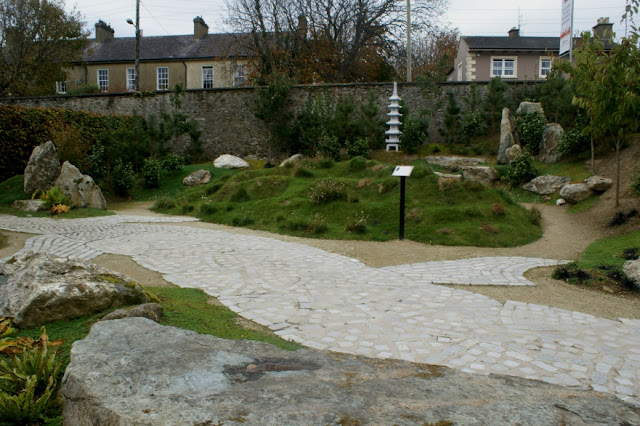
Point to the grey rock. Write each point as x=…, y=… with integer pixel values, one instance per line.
x=482, y=174
x=529, y=108
x=545, y=185
x=292, y=160
x=598, y=183
x=452, y=162
x=134, y=371
x=632, y=269
x=227, y=161
x=42, y=169
x=575, y=192
x=561, y=202
x=152, y=311
x=512, y=153
x=42, y=288
x=445, y=180
x=551, y=138
x=81, y=189
x=508, y=135
x=28, y=205
x=199, y=177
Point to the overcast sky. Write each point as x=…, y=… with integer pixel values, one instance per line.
x=471, y=17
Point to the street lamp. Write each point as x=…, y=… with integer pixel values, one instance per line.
x=137, y=27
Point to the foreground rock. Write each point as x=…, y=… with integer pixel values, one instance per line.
x=152, y=311
x=294, y=159
x=632, y=269
x=550, y=142
x=483, y=174
x=453, y=162
x=508, y=135
x=575, y=192
x=134, y=371
x=545, y=185
x=81, y=189
x=28, y=205
x=42, y=169
x=199, y=177
x=41, y=288
x=227, y=161
x=598, y=183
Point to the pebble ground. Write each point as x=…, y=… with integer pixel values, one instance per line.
x=331, y=302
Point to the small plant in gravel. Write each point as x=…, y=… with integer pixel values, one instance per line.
x=326, y=190
x=571, y=273
x=55, y=201
x=357, y=223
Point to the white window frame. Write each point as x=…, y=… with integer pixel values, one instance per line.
x=503, y=60
x=239, y=76
x=131, y=79
x=540, y=69
x=103, y=80
x=207, y=76
x=61, y=87
x=162, y=82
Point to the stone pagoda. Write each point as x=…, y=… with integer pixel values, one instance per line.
x=393, y=134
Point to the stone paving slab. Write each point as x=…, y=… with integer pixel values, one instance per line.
x=331, y=302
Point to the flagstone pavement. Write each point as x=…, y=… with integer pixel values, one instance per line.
x=331, y=302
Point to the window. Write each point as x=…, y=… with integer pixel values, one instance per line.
x=131, y=79
x=103, y=80
x=503, y=67
x=239, y=77
x=163, y=78
x=545, y=67
x=61, y=87
x=207, y=77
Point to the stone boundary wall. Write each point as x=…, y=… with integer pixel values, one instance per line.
x=226, y=116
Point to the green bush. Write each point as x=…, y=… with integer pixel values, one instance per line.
x=325, y=191
x=123, y=178
x=151, y=172
x=494, y=101
x=471, y=126
x=329, y=146
x=520, y=170
x=54, y=197
x=357, y=164
x=164, y=203
x=357, y=223
x=573, y=142
x=357, y=148
x=172, y=162
x=208, y=209
x=415, y=130
x=530, y=128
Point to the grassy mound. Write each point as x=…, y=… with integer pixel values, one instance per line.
x=358, y=199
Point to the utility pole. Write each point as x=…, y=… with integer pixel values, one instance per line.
x=409, y=41
x=137, y=27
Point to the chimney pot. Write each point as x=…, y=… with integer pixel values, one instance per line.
x=200, y=28
x=514, y=32
x=103, y=32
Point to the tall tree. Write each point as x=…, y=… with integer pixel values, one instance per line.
x=335, y=36
x=38, y=39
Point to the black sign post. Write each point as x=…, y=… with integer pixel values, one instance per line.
x=402, y=172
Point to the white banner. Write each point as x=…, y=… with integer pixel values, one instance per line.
x=566, y=27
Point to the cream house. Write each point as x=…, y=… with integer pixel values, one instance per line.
x=198, y=61
x=513, y=57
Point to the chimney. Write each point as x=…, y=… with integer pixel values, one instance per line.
x=103, y=32
x=200, y=28
x=514, y=32
x=603, y=29
x=303, y=27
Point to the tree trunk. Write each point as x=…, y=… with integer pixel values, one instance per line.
x=618, y=145
x=593, y=161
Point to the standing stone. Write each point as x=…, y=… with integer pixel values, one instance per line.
x=81, y=189
x=513, y=152
x=294, y=159
x=227, y=161
x=529, y=108
x=575, y=192
x=508, y=135
x=551, y=138
x=598, y=183
x=42, y=169
x=199, y=177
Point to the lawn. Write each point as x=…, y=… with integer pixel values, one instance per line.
x=609, y=252
x=357, y=199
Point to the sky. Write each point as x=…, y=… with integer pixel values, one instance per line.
x=471, y=17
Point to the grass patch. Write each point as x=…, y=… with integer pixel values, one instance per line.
x=573, y=168
x=609, y=252
x=584, y=205
x=340, y=201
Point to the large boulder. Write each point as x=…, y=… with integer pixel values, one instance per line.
x=42, y=169
x=137, y=372
x=199, y=177
x=227, y=161
x=39, y=288
x=598, y=183
x=632, y=269
x=551, y=138
x=81, y=189
x=28, y=205
x=575, y=192
x=545, y=185
x=294, y=159
x=483, y=174
x=453, y=162
x=529, y=108
x=512, y=153
x=508, y=135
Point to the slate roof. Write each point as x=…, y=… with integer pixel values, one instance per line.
x=513, y=43
x=123, y=49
